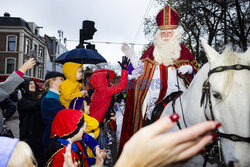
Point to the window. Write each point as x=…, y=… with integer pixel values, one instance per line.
x=41, y=53
x=34, y=71
x=40, y=72
x=27, y=46
x=11, y=43
x=33, y=53
x=10, y=65
x=35, y=47
x=36, y=32
x=28, y=72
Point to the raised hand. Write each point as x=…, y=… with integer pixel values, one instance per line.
x=28, y=65
x=68, y=158
x=100, y=156
x=125, y=62
x=127, y=50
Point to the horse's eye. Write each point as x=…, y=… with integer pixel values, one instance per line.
x=217, y=95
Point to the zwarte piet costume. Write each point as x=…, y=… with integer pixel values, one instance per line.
x=67, y=124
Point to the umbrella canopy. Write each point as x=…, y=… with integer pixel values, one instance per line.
x=81, y=56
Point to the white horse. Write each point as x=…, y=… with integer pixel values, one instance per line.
x=230, y=103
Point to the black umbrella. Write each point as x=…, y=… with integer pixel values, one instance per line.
x=81, y=56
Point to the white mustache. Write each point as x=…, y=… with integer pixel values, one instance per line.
x=166, y=38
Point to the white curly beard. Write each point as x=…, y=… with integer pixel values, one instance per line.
x=165, y=52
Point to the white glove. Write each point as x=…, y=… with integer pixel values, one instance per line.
x=185, y=69
x=128, y=51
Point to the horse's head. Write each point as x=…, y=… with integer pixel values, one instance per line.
x=230, y=99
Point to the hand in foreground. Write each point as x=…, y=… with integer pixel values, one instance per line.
x=84, y=92
x=27, y=65
x=150, y=146
x=100, y=156
x=68, y=158
x=128, y=51
x=124, y=63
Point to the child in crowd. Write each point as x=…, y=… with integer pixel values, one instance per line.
x=104, y=90
x=80, y=104
x=71, y=87
x=69, y=127
x=70, y=90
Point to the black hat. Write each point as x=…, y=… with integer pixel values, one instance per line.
x=53, y=74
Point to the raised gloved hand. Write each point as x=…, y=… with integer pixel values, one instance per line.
x=185, y=69
x=128, y=51
x=124, y=63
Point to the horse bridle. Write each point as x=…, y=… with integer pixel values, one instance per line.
x=206, y=96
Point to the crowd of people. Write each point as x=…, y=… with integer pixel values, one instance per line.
x=70, y=124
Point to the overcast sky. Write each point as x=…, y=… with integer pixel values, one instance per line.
x=115, y=20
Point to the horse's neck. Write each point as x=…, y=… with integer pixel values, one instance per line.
x=192, y=111
x=188, y=104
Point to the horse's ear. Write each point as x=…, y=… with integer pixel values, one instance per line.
x=210, y=52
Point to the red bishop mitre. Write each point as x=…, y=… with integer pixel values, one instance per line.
x=167, y=18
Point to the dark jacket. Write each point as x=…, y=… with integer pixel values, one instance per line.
x=26, y=109
x=31, y=124
x=50, y=105
x=8, y=107
x=27, y=106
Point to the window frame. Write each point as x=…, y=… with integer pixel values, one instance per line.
x=39, y=73
x=6, y=65
x=34, y=71
x=28, y=73
x=35, y=47
x=7, y=43
x=41, y=50
x=27, y=51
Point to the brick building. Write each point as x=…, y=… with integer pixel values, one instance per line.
x=20, y=40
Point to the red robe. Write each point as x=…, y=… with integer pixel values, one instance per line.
x=58, y=158
x=133, y=120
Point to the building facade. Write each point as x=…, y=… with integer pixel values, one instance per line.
x=20, y=40
x=54, y=49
